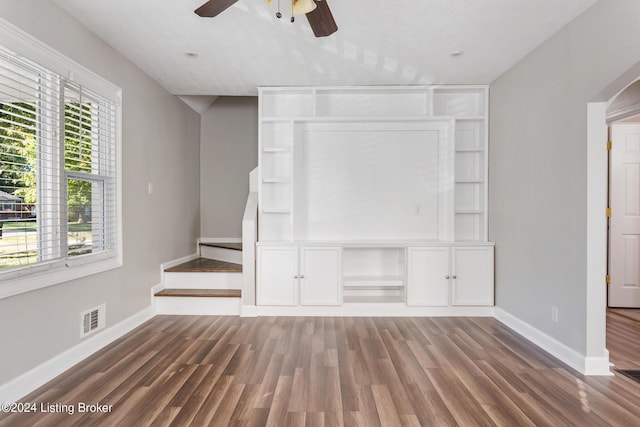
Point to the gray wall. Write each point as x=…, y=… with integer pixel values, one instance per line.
x=160, y=141
x=538, y=166
x=228, y=152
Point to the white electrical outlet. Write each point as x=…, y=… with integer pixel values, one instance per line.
x=150, y=188
x=554, y=314
x=418, y=210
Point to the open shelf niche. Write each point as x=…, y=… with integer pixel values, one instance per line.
x=373, y=274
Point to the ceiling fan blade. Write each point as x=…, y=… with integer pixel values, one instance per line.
x=213, y=8
x=321, y=20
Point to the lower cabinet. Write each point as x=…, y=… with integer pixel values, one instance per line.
x=299, y=275
x=436, y=276
x=472, y=276
x=428, y=276
x=442, y=276
x=277, y=271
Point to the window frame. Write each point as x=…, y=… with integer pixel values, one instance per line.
x=44, y=274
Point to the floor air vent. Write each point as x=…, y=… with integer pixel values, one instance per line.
x=92, y=320
x=633, y=374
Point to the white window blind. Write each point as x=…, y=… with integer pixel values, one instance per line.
x=57, y=169
x=90, y=168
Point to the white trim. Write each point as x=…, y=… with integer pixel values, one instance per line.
x=19, y=387
x=577, y=361
x=596, y=245
x=195, y=306
x=153, y=291
x=371, y=310
x=220, y=240
x=249, y=311
x=173, y=263
x=46, y=278
x=26, y=45
x=623, y=113
x=600, y=366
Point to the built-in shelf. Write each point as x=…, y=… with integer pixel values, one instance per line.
x=295, y=155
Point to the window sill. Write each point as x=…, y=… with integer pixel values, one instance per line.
x=46, y=278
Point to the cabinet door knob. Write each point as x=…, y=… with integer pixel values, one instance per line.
x=447, y=277
x=296, y=277
x=302, y=276
x=454, y=276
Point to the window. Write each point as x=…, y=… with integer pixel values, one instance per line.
x=58, y=171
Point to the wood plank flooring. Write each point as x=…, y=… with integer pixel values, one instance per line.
x=205, y=265
x=288, y=371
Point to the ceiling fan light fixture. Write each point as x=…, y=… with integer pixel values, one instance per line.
x=302, y=7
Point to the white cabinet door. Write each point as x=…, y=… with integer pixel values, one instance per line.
x=277, y=276
x=472, y=276
x=428, y=277
x=320, y=276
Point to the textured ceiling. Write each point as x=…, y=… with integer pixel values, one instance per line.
x=378, y=42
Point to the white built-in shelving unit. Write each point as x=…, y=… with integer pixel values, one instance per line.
x=368, y=173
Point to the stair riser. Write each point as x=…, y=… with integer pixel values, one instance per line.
x=222, y=254
x=194, y=280
x=189, y=306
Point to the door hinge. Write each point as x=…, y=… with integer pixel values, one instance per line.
x=609, y=145
x=608, y=212
x=608, y=279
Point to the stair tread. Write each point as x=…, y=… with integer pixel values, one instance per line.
x=232, y=246
x=202, y=293
x=205, y=265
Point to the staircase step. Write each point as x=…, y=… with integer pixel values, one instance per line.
x=204, y=273
x=198, y=302
x=205, y=265
x=200, y=293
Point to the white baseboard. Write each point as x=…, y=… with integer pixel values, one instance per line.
x=598, y=365
x=220, y=240
x=370, y=310
x=19, y=387
x=249, y=311
x=579, y=362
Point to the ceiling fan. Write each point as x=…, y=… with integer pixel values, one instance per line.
x=317, y=12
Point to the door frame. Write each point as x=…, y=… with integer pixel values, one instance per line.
x=596, y=353
x=614, y=119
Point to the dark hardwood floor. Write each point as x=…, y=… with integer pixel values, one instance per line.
x=286, y=371
x=205, y=265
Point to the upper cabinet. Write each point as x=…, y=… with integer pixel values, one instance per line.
x=373, y=163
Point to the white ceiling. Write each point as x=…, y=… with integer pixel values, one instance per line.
x=378, y=42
